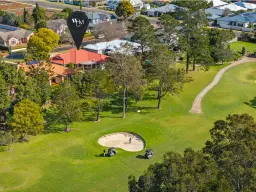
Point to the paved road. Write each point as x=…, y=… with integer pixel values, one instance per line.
x=197, y=104
x=60, y=6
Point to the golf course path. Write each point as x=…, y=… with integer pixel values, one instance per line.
x=197, y=106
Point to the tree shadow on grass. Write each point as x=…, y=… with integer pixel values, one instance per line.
x=251, y=103
x=140, y=157
x=102, y=155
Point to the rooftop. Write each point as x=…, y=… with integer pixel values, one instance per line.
x=242, y=18
x=78, y=57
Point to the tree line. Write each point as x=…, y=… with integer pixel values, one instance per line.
x=227, y=162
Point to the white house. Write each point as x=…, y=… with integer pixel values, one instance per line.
x=170, y=8
x=110, y=46
x=217, y=2
x=232, y=7
x=249, y=6
x=137, y=4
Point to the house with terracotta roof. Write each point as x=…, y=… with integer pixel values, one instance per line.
x=80, y=58
x=57, y=73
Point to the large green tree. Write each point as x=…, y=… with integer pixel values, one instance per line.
x=168, y=30
x=42, y=44
x=27, y=119
x=143, y=33
x=193, y=22
x=219, y=41
x=67, y=10
x=4, y=99
x=68, y=104
x=11, y=19
x=233, y=146
x=166, y=77
x=127, y=74
x=190, y=172
x=39, y=14
x=226, y=163
x=124, y=9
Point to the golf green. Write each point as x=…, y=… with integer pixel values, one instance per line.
x=64, y=162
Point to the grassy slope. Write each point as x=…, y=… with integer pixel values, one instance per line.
x=67, y=162
x=237, y=46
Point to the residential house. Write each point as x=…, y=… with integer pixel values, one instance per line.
x=232, y=7
x=57, y=73
x=110, y=46
x=248, y=6
x=59, y=26
x=156, y=12
x=13, y=36
x=80, y=58
x=217, y=2
x=96, y=18
x=137, y=4
x=245, y=21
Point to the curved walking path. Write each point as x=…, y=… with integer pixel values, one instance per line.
x=197, y=104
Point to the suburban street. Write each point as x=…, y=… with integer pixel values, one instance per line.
x=60, y=6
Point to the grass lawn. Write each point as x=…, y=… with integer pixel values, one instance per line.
x=64, y=162
x=237, y=46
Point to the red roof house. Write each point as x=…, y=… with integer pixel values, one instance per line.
x=79, y=58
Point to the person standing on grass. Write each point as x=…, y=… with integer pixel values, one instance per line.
x=104, y=152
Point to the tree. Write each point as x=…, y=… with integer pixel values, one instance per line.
x=27, y=119
x=7, y=138
x=41, y=24
x=226, y=163
x=190, y=172
x=232, y=145
x=4, y=99
x=42, y=43
x=166, y=78
x=243, y=51
x=167, y=31
x=1, y=12
x=67, y=38
x=39, y=14
x=60, y=15
x=100, y=85
x=193, y=22
x=11, y=19
x=126, y=72
x=110, y=31
x=200, y=50
x=124, y=10
x=219, y=42
x=27, y=18
x=143, y=32
x=67, y=104
x=67, y=10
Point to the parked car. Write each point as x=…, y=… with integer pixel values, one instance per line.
x=149, y=153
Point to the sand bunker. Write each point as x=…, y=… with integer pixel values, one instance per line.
x=121, y=140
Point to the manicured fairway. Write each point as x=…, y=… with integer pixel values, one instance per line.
x=65, y=162
x=237, y=46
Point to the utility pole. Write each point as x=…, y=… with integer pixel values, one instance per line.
x=81, y=5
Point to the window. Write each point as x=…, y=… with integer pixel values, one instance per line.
x=13, y=42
